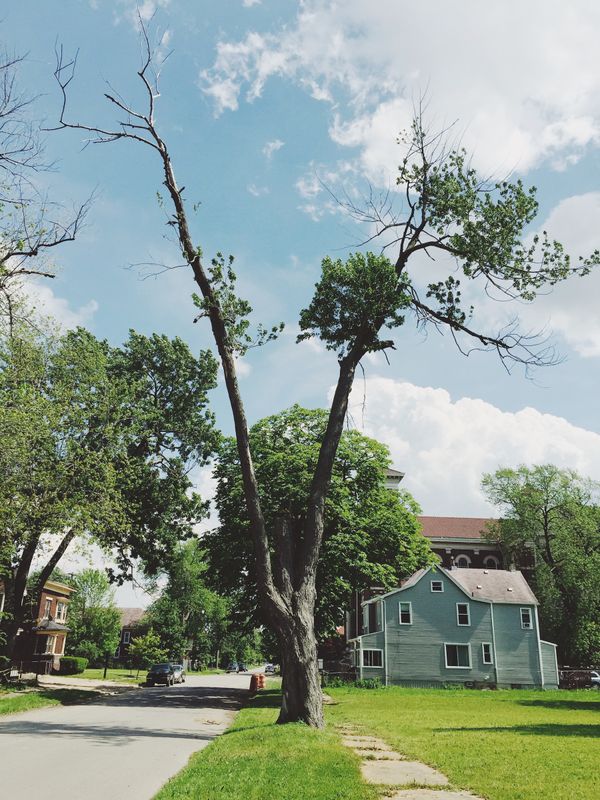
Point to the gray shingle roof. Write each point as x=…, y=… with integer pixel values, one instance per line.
x=131, y=616
x=497, y=585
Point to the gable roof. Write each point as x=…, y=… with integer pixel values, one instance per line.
x=131, y=616
x=495, y=585
x=455, y=527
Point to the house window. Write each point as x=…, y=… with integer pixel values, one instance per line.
x=49, y=645
x=526, y=622
x=379, y=615
x=372, y=658
x=47, y=608
x=462, y=561
x=61, y=612
x=458, y=656
x=463, y=615
x=117, y=652
x=365, y=619
x=437, y=586
x=491, y=562
x=126, y=637
x=486, y=652
x=405, y=613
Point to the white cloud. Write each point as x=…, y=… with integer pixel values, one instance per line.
x=445, y=446
x=250, y=3
x=48, y=304
x=257, y=191
x=521, y=78
x=272, y=147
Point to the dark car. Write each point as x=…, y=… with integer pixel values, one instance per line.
x=178, y=673
x=232, y=666
x=242, y=667
x=160, y=673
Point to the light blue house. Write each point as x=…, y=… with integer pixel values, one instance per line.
x=470, y=626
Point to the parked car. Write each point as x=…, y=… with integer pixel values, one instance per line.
x=269, y=669
x=178, y=673
x=242, y=667
x=595, y=678
x=232, y=666
x=160, y=673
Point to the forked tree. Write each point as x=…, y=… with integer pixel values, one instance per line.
x=444, y=209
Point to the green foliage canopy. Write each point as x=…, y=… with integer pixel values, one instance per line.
x=371, y=533
x=553, y=515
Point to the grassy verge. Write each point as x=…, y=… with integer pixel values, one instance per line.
x=18, y=699
x=505, y=745
x=256, y=760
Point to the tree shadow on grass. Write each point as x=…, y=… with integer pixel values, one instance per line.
x=268, y=698
x=586, y=731
x=563, y=705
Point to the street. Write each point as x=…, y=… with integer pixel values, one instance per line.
x=124, y=747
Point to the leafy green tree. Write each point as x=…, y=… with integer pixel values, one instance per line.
x=371, y=534
x=99, y=443
x=146, y=650
x=94, y=620
x=444, y=209
x=552, y=516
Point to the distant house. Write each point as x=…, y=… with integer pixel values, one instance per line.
x=463, y=541
x=132, y=623
x=39, y=647
x=464, y=625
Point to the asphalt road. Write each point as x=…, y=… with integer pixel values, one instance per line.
x=123, y=748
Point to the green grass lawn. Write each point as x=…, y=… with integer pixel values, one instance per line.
x=505, y=745
x=256, y=760
x=23, y=699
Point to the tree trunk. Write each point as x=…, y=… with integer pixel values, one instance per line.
x=302, y=698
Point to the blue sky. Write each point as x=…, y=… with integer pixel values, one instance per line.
x=259, y=101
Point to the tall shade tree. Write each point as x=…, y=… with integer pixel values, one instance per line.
x=552, y=516
x=371, y=535
x=445, y=209
x=98, y=442
x=94, y=620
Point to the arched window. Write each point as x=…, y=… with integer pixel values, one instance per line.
x=462, y=561
x=491, y=562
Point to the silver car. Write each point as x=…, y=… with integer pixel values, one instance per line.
x=178, y=673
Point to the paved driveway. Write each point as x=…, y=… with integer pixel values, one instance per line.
x=123, y=748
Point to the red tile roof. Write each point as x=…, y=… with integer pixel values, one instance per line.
x=455, y=527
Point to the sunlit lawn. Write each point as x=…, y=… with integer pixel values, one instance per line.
x=23, y=699
x=505, y=745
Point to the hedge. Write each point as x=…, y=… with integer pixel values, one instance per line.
x=72, y=665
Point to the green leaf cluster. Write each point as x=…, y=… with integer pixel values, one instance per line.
x=371, y=534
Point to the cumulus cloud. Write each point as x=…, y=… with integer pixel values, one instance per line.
x=272, y=147
x=48, y=304
x=521, y=78
x=257, y=191
x=444, y=445
x=250, y=3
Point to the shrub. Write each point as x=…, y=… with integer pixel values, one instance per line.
x=72, y=665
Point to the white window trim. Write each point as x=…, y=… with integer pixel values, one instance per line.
x=457, y=644
x=437, y=591
x=47, y=608
x=463, y=624
x=523, y=626
x=371, y=650
x=496, y=562
x=61, y=611
x=491, y=656
x=466, y=557
x=405, y=603
x=126, y=637
x=50, y=641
